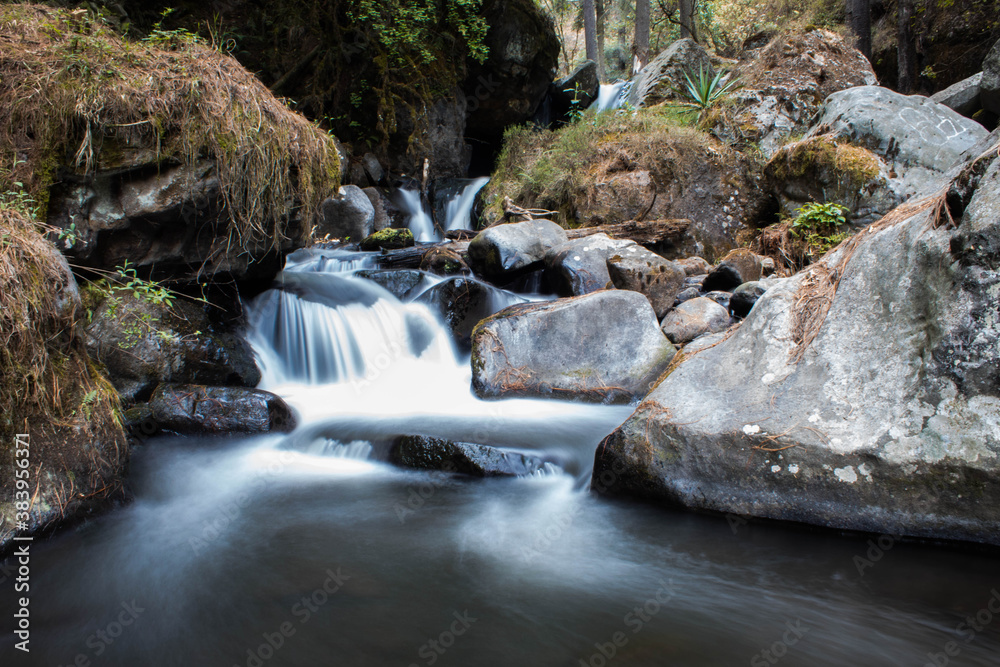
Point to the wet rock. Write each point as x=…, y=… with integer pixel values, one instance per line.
x=580, y=266
x=143, y=344
x=694, y=318
x=191, y=409
x=885, y=408
x=694, y=266
x=388, y=239
x=399, y=282
x=663, y=74
x=466, y=458
x=444, y=261
x=738, y=267
x=350, y=215
x=963, y=97
x=373, y=168
x=505, y=251
x=386, y=214
x=464, y=302
x=604, y=346
x=744, y=298
x=990, y=82
x=637, y=269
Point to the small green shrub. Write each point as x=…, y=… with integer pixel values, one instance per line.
x=819, y=226
x=704, y=92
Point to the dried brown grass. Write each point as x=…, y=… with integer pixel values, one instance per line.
x=75, y=94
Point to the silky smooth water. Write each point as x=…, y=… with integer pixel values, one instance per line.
x=307, y=549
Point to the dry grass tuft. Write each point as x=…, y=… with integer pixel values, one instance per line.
x=75, y=94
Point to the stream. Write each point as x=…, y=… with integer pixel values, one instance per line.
x=308, y=549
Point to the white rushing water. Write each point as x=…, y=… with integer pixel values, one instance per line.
x=418, y=218
x=458, y=210
x=308, y=549
x=610, y=96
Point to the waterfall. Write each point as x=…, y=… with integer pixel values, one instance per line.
x=418, y=218
x=329, y=261
x=458, y=210
x=610, y=96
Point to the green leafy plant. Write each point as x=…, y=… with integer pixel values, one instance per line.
x=69, y=234
x=576, y=105
x=170, y=39
x=705, y=91
x=819, y=224
x=151, y=292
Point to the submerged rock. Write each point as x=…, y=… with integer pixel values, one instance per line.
x=880, y=414
x=399, y=282
x=604, y=346
x=506, y=251
x=466, y=458
x=193, y=409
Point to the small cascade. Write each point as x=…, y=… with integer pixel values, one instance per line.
x=458, y=210
x=356, y=449
x=610, y=96
x=319, y=328
x=418, y=218
x=334, y=260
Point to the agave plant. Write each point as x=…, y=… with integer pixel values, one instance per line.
x=704, y=91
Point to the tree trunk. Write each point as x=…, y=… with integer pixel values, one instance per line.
x=641, y=34
x=590, y=29
x=906, y=51
x=859, y=22
x=599, y=7
x=687, y=19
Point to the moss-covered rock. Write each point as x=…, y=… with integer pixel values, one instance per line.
x=388, y=239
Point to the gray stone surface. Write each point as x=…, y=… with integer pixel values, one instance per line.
x=888, y=421
x=663, y=74
x=694, y=318
x=508, y=250
x=640, y=270
x=581, y=84
x=349, y=215
x=919, y=139
x=462, y=303
x=990, y=83
x=604, y=346
x=580, y=266
x=963, y=97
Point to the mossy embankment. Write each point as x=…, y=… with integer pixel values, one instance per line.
x=609, y=168
x=76, y=97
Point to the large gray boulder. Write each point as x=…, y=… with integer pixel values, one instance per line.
x=580, y=266
x=349, y=215
x=577, y=90
x=920, y=139
x=506, y=251
x=990, y=83
x=605, y=346
x=963, y=96
x=880, y=414
x=640, y=270
x=462, y=303
x=664, y=74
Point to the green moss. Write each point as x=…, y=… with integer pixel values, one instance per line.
x=810, y=157
x=388, y=239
